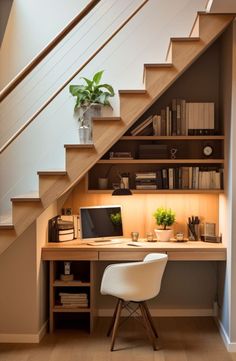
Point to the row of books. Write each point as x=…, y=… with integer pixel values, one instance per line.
x=181, y=178
x=180, y=118
x=73, y=300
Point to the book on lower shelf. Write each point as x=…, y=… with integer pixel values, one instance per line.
x=73, y=299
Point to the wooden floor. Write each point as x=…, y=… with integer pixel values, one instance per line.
x=181, y=339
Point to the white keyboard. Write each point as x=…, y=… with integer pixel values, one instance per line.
x=105, y=242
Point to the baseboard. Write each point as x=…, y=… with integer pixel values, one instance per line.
x=24, y=337
x=230, y=346
x=167, y=312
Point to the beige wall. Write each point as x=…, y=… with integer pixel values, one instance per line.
x=18, y=312
x=23, y=280
x=138, y=210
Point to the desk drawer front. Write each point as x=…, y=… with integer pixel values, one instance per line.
x=70, y=255
x=123, y=255
x=196, y=256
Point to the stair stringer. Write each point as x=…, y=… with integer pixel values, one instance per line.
x=132, y=105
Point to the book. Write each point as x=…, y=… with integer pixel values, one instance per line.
x=171, y=178
x=185, y=177
x=156, y=123
x=141, y=126
x=165, y=178
x=174, y=117
x=163, y=121
x=178, y=117
x=120, y=155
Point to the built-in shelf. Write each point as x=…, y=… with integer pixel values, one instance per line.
x=59, y=283
x=161, y=191
x=161, y=161
x=68, y=309
x=179, y=137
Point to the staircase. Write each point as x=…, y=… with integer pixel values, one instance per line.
x=182, y=52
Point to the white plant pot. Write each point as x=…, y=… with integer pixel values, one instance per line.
x=163, y=235
x=84, y=135
x=86, y=115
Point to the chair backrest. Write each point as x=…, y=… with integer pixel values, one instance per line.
x=136, y=281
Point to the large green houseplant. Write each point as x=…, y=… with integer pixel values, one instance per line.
x=90, y=96
x=164, y=217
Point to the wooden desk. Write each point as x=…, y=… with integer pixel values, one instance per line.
x=177, y=251
x=84, y=256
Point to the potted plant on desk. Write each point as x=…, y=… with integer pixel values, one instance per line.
x=165, y=218
x=90, y=97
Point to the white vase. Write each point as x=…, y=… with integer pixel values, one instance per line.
x=84, y=135
x=163, y=235
x=86, y=115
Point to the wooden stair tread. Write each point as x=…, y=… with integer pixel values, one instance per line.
x=52, y=172
x=158, y=65
x=81, y=146
x=107, y=118
x=187, y=39
x=6, y=226
x=134, y=91
x=213, y=14
x=26, y=198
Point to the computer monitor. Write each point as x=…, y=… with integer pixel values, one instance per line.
x=101, y=222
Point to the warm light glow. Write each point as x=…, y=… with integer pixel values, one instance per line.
x=138, y=210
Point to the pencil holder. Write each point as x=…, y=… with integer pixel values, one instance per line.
x=194, y=232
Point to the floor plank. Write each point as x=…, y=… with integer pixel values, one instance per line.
x=180, y=339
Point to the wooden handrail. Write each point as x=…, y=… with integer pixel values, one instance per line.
x=71, y=78
x=23, y=74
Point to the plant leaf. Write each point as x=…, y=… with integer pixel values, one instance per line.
x=89, y=82
x=108, y=87
x=74, y=89
x=97, y=77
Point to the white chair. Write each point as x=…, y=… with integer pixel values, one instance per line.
x=134, y=282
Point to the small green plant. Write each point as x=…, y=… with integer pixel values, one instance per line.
x=115, y=218
x=164, y=217
x=92, y=92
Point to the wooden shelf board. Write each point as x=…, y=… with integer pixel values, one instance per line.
x=161, y=161
x=161, y=191
x=68, y=309
x=178, y=137
x=59, y=283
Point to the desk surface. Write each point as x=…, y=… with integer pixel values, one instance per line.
x=177, y=251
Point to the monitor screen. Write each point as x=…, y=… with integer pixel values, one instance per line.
x=101, y=222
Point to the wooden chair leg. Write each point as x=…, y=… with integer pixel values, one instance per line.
x=113, y=319
x=116, y=324
x=150, y=319
x=148, y=326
